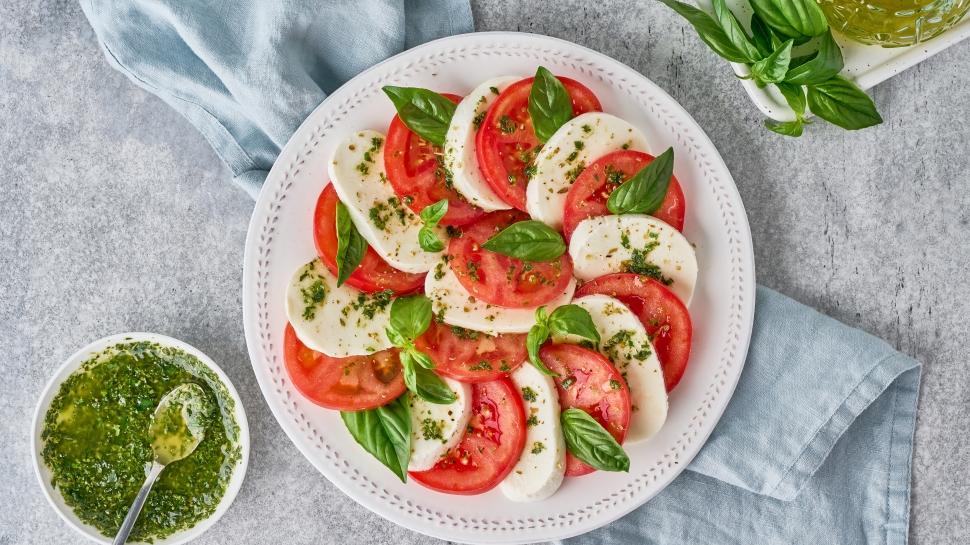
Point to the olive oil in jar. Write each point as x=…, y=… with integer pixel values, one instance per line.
x=893, y=23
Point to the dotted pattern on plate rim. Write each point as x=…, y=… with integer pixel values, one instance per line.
x=718, y=381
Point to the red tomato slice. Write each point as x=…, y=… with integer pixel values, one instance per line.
x=587, y=197
x=417, y=177
x=502, y=280
x=490, y=448
x=506, y=143
x=373, y=274
x=662, y=313
x=343, y=384
x=471, y=356
x=588, y=381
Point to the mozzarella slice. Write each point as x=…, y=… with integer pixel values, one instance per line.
x=625, y=342
x=459, y=152
x=634, y=243
x=435, y=428
x=357, y=174
x=339, y=321
x=579, y=142
x=451, y=301
x=540, y=470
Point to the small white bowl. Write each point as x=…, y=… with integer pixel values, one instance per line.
x=71, y=365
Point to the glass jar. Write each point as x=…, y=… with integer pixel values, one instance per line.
x=893, y=23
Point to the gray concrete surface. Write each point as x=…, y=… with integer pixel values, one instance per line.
x=116, y=216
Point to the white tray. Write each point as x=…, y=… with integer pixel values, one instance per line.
x=867, y=65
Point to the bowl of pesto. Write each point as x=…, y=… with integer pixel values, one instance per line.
x=92, y=445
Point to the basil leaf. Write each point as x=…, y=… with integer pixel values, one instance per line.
x=396, y=338
x=351, y=246
x=773, y=68
x=794, y=95
x=826, y=64
x=538, y=334
x=842, y=103
x=528, y=240
x=589, y=441
x=709, y=31
x=430, y=387
x=410, y=316
x=761, y=36
x=429, y=241
x=802, y=59
x=787, y=128
x=644, y=191
x=425, y=112
x=798, y=19
x=734, y=32
x=421, y=359
x=385, y=432
x=573, y=320
x=431, y=215
x=549, y=104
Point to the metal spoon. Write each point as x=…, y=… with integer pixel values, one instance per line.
x=176, y=429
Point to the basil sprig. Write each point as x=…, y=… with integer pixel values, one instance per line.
x=565, y=320
x=385, y=432
x=425, y=112
x=549, y=104
x=351, y=246
x=776, y=27
x=409, y=318
x=528, y=240
x=644, y=191
x=430, y=216
x=589, y=441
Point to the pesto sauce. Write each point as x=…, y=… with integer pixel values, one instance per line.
x=97, y=445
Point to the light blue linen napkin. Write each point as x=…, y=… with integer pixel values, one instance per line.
x=816, y=444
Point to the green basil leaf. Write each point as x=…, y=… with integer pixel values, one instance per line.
x=549, y=104
x=842, y=103
x=410, y=316
x=408, y=370
x=425, y=112
x=795, y=96
x=644, y=191
x=421, y=359
x=433, y=213
x=800, y=60
x=528, y=240
x=430, y=387
x=589, y=441
x=429, y=241
x=826, y=64
x=351, y=246
x=787, y=128
x=396, y=338
x=797, y=19
x=709, y=31
x=573, y=320
x=761, y=36
x=538, y=334
x=734, y=32
x=385, y=432
x=773, y=68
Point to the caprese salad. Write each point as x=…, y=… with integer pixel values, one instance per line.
x=501, y=288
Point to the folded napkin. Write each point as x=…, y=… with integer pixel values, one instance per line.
x=816, y=444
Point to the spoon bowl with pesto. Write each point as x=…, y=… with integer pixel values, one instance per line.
x=119, y=411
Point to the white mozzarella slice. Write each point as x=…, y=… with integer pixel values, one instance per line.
x=436, y=428
x=625, y=342
x=629, y=243
x=459, y=152
x=456, y=306
x=575, y=145
x=339, y=321
x=357, y=174
x=540, y=470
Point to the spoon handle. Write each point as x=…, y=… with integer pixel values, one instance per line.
x=136, y=506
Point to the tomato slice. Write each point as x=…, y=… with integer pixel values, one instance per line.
x=588, y=381
x=343, y=384
x=418, y=179
x=506, y=143
x=662, y=313
x=490, y=448
x=471, y=356
x=502, y=280
x=588, y=195
x=373, y=274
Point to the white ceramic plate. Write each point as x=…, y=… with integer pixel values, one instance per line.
x=867, y=65
x=72, y=364
x=280, y=240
